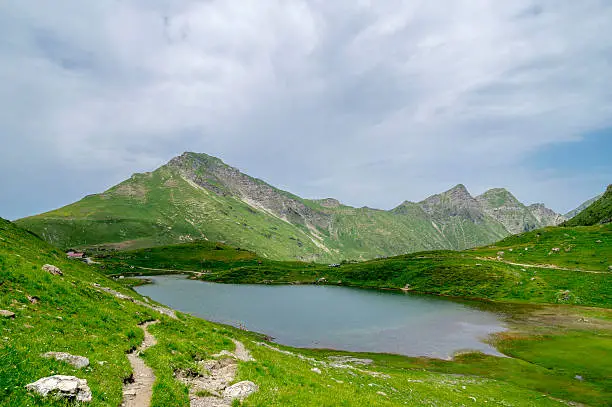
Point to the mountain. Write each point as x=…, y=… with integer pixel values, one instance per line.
x=582, y=207
x=197, y=196
x=599, y=212
x=513, y=215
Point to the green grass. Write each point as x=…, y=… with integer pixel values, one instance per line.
x=103, y=328
x=92, y=323
x=582, y=247
x=474, y=273
x=598, y=212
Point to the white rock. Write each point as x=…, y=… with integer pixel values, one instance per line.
x=76, y=361
x=70, y=387
x=49, y=268
x=6, y=313
x=316, y=370
x=240, y=390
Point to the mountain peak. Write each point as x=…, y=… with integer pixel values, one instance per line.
x=457, y=201
x=458, y=187
x=328, y=202
x=497, y=197
x=458, y=193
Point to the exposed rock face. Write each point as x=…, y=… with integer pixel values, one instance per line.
x=61, y=386
x=76, y=361
x=213, y=174
x=6, y=313
x=501, y=205
x=328, y=202
x=545, y=216
x=456, y=202
x=49, y=268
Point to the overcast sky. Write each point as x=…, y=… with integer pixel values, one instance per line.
x=373, y=102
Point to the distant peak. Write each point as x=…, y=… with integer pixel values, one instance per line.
x=189, y=159
x=496, y=197
x=329, y=202
x=497, y=190
x=459, y=191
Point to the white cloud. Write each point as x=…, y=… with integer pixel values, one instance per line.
x=372, y=102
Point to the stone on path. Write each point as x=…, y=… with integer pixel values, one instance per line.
x=61, y=386
x=240, y=390
x=76, y=361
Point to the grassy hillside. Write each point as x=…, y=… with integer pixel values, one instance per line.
x=582, y=207
x=525, y=268
x=598, y=212
x=196, y=196
x=70, y=314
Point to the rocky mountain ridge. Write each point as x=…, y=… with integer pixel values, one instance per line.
x=197, y=196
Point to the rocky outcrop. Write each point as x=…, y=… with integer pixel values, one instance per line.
x=545, y=216
x=68, y=387
x=77, y=361
x=240, y=390
x=328, y=202
x=456, y=202
x=51, y=269
x=213, y=378
x=501, y=205
x=213, y=174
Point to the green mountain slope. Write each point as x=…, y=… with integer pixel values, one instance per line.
x=581, y=207
x=549, y=265
x=69, y=313
x=598, y=212
x=196, y=196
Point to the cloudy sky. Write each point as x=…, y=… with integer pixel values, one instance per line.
x=369, y=102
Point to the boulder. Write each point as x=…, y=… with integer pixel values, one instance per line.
x=6, y=313
x=240, y=390
x=49, y=268
x=76, y=361
x=61, y=386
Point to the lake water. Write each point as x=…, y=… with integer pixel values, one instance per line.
x=335, y=317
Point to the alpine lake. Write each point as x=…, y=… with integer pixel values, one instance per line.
x=332, y=317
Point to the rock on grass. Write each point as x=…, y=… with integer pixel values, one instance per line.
x=76, y=361
x=69, y=387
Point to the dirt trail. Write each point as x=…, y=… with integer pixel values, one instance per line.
x=543, y=266
x=137, y=393
x=211, y=387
